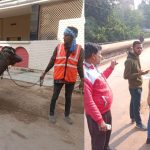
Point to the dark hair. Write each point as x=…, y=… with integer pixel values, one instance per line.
x=74, y=30
x=91, y=48
x=136, y=42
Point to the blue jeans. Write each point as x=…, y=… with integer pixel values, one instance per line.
x=135, y=104
x=148, y=127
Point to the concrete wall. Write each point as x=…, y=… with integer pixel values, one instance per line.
x=113, y=49
x=14, y=27
x=0, y=29
x=39, y=52
x=52, y=12
x=15, y=24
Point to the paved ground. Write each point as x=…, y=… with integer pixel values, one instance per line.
x=24, y=116
x=125, y=136
x=28, y=76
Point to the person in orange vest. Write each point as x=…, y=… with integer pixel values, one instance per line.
x=67, y=60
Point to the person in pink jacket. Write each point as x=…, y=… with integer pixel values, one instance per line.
x=98, y=97
x=148, y=124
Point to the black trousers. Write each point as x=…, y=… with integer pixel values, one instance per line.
x=68, y=95
x=99, y=139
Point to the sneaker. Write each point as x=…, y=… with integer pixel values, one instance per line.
x=141, y=127
x=148, y=141
x=132, y=121
x=68, y=120
x=52, y=119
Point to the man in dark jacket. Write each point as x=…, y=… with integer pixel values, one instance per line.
x=134, y=74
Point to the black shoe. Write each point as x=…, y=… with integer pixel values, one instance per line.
x=148, y=141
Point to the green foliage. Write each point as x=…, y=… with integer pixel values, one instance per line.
x=144, y=8
x=98, y=9
x=132, y=18
x=90, y=27
x=110, y=22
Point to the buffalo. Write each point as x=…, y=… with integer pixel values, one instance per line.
x=8, y=57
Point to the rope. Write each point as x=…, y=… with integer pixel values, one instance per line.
x=36, y=83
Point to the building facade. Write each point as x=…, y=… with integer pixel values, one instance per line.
x=35, y=27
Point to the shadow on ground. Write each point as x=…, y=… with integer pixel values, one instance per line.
x=121, y=139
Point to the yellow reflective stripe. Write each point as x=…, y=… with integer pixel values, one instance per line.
x=64, y=57
x=59, y=50
x=68, y=65
x=73, y=66
x=59, y=65
x=73, y=59
x=70, y=58
x=60, y=57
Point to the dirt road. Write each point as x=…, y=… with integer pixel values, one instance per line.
x=24, y=121
x=125, y=136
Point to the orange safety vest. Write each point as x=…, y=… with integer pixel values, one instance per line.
x=66, y=71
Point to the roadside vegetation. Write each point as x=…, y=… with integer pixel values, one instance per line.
x=114, y=20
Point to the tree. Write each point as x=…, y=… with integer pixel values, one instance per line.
x=90, y=28
x=99, y=9
x=107, y=21
x=144, y=7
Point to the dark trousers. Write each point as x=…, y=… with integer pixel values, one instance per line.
x=99, y=139
x=68, y=94
x=148, y=127
x=135, y=104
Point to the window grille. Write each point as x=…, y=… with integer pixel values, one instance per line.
x=51, y=13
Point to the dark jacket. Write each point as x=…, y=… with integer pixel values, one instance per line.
x=132, y=67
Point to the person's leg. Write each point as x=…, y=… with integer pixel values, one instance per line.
x=136, y=93
x=68, y=95
x=98, y=138
x=56, y=92
x=131, y=107
x=108, y=119
x=137, y=104
x=136, y=99
x=148, y=131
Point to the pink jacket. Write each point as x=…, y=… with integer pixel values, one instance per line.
x=97, y=93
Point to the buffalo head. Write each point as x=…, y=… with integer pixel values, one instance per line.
x=11, y=55
x=8, y=57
